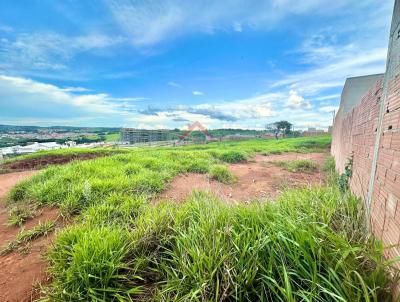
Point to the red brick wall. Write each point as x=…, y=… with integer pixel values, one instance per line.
x=385, y=204
x=354, y=134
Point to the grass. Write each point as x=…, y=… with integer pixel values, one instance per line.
x=299, y=165
x=69, y=152
x=222, y=174
x=309, y=245
x=24, y=236
x=81, y=184
x=20, y=213
x=233, y=156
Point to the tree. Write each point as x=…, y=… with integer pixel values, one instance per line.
x=283, y=126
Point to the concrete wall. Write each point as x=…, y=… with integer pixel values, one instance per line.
x=370, y=131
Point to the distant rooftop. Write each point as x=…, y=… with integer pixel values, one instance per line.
x=354, y=89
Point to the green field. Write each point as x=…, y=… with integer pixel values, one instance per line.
x=309, y=245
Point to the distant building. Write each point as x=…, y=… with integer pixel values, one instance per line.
x=35, y=147
x=70, y=144
x=134, y=136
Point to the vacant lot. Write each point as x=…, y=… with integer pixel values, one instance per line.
x=270, y=226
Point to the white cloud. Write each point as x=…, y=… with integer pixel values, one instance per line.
x=244, y=110
x=197, y=93
x=75, y=89
x=26, y=101
x=48, y=50
x=151, y=22
x=297, y=101
x=174, y=84
x=25, y=98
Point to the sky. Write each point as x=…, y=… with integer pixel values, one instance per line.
x=166, y=64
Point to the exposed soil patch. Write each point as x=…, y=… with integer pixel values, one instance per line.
x=21, y=271
x=43, y=161
x=257, y=179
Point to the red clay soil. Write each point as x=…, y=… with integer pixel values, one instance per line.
x=20, y=273
x=43, y=161
x=256, y=179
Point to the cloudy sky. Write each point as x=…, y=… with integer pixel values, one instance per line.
x=164, y=64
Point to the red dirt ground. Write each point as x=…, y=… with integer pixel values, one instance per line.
x=257, y=179
x=20, y=273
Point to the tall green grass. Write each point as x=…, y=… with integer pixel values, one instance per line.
x=310, y=245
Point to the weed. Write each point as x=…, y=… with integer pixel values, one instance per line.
x=299, y=165
x=329, y=164
x=24, y=236
x=222, y=174
x=344, y=178
x=20, y=213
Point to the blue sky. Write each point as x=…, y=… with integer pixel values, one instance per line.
x=164, y=64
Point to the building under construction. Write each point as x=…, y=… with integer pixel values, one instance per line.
x=134, y=136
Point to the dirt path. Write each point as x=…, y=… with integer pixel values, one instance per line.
x=257, y=179
x=20, y=272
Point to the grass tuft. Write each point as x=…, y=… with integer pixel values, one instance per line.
x=222, y=174
x=24, y=236
x=299, y=165
x=20, y=213
x=233, y=156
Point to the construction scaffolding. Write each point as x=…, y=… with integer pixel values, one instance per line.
x=134, y=136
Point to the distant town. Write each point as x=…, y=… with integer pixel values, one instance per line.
x=17, y=140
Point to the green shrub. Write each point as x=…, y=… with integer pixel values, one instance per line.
x=222, y=174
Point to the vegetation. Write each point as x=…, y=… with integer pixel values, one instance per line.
x=343, y=181
x=267, y=146
x=233, y=156
x=283, y=126
x=71, y=152
x=41, y=229
x=298, y=165
x=222, y=174
x=20, y=213
x=309, y=245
